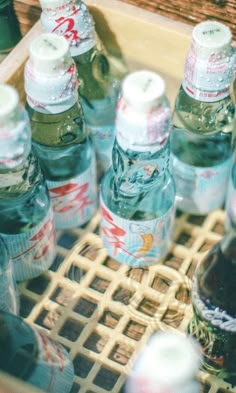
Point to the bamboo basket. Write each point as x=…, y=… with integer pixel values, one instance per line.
x=101, y=311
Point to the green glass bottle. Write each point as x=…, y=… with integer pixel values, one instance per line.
x=99, y=83
x=10, y=33
x=214, y=320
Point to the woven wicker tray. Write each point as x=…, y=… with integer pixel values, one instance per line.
x=101, y=311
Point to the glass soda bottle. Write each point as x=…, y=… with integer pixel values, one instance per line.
x=138, y=192
x=60, y=137
x=33, y=357
x=10, y=33
x=98, y=81
x=214, y=308
x=203, y=121
x=168, y=363
x=9, y=300
x=26, y=217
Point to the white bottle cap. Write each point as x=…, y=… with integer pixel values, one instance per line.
x=50, y=74
x=169, y=360
x=143, y=113
x=9, y=101
x=50, y=53
x=142, y=89
x=211, y=37
x=15, y=133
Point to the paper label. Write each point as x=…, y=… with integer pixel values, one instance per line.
x=32, y=252
x=200, y=189
x=136, y=243
x=74, y=201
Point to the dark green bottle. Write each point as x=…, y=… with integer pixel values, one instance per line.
x=10, y=33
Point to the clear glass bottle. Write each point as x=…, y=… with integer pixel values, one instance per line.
x=26, y=217
x=10, y=33
x=169, y=362
x=98, y=81
x=138, y=192
x=9, y=299
x=203, y=121
x=31, y=356
x=60, y=137
x=214, y=319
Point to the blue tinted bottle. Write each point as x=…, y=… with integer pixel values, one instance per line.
x=138, y=193
x=60, y=137
x=26, y=217
x=203, y=121
x=98, y=78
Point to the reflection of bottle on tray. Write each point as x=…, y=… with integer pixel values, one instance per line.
x=33, y=357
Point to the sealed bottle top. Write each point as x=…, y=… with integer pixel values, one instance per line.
x=169, y=360
x=211, y=37
x=15, y=134
x=143, y=112
x=71, y=19
x=50, y=74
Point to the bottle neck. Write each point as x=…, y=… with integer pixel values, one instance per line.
x=136, y=172
x=208, y=80
x=58, y=130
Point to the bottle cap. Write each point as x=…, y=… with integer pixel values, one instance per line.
x=143, y=113
x=9, y=101
x=15, y=134
x=168, y=360
x=211, y=38
x=50, y=74
x=50, y=53
x=72, y=20
x=143, y=89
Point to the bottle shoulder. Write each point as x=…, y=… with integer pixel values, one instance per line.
x=203, y=118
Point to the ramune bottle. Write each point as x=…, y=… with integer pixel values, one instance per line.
x=98, y=84
x=138, y=192
x=10, y=33
x=214, y=320
x=168, y=363
x=203, y=121
x=9, y=299
x=33, y=357
x=26, y=217
x=60, y=137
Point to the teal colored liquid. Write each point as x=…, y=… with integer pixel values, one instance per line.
x=25, y=204
x=61, y=143
x=201, y=138
x=135, y=193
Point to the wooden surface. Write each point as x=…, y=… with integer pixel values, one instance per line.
x=188, y=11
